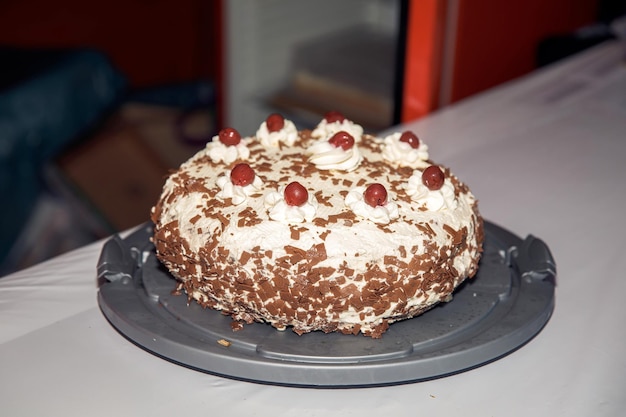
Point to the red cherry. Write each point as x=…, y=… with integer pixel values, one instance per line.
x=242, y=175
x=275, y=122
x=343, y=139
x=334, y=116
x=296, y=194
x=229, y=136
x=410, y=138
x=433, y=177
x=375, y=195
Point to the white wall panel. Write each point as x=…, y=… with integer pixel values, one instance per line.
x=260, y=37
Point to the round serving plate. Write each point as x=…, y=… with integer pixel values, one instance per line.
x=505, y=305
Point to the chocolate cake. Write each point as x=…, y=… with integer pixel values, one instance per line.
x=329, y=229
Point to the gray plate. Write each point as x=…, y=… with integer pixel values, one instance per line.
x=504, y=306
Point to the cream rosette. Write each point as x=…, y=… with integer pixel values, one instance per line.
x=237, y=193
x=326, y=156
x=433, y=200
x=219, y=152
x=402, y=153
x=384, y=214
x=279, y=210
x=287, y=135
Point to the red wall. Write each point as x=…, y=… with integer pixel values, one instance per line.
x=496, y=39
x=495, y=42
x=151, y=41
x=422, y=67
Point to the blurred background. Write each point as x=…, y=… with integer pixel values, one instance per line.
x=99, y=100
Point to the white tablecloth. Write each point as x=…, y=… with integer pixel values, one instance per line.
x=544, y=154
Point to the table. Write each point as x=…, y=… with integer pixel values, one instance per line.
x=545, y=156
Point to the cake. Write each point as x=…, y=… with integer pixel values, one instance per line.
x=328, y=229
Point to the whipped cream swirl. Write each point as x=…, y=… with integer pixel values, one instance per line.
x=237, y=193
x=379, y=214
x=433, y=200
x=325, y=130
x=219, y=152
x=326, y=156
x=287, y=135
x=394, y=150
x=279, y=210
